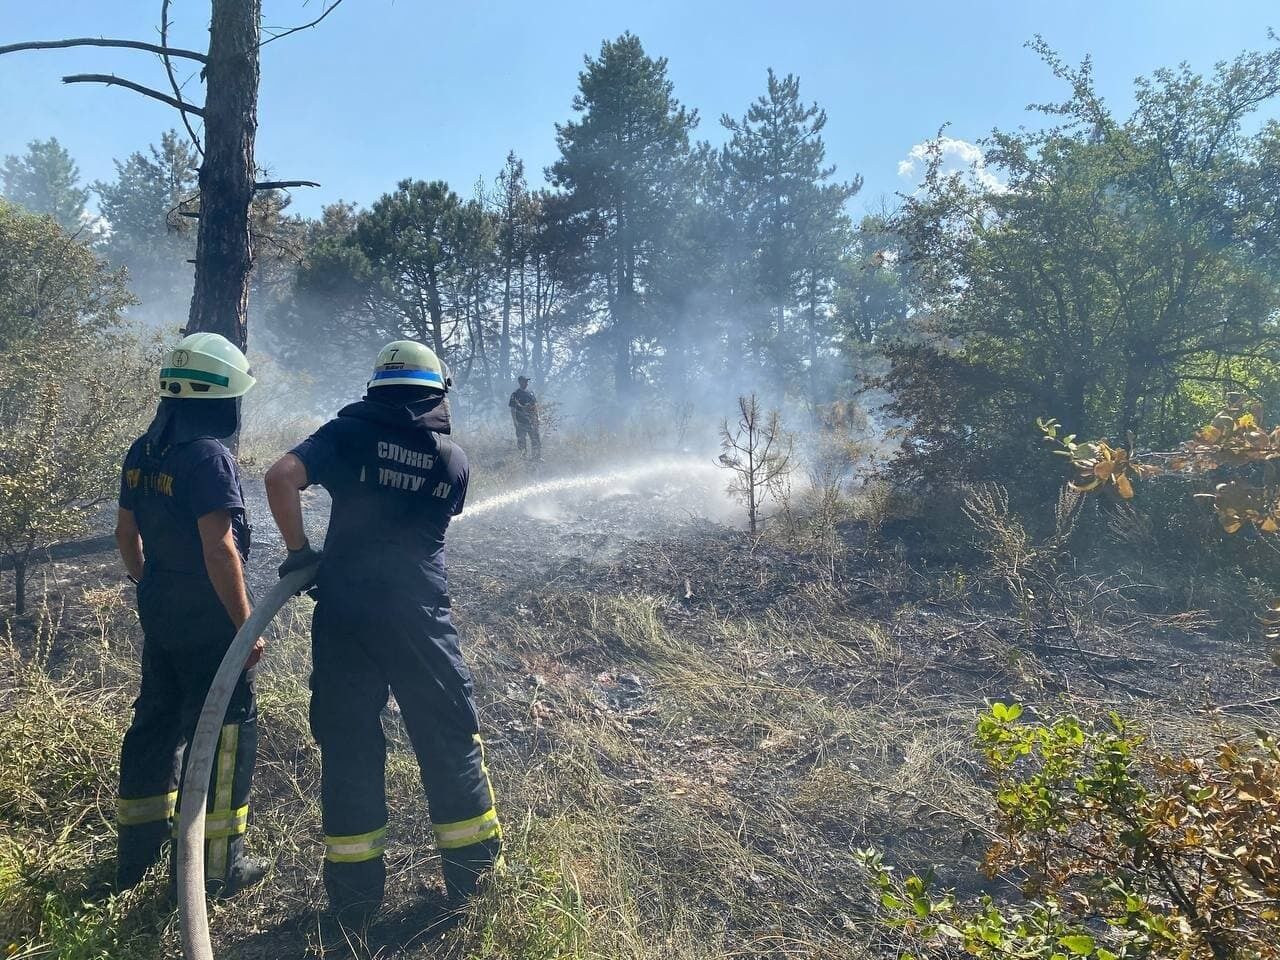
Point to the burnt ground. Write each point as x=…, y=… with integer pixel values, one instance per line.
x=702, y=729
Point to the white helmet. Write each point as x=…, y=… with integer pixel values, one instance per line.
x=412, y=364
x=205, y=366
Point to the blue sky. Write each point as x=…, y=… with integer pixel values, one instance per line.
x=386, y=89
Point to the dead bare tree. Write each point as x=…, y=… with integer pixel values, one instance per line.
x=757, y=452
x=230, y=69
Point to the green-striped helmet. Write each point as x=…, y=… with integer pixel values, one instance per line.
x=205, y=366
x=409, y=363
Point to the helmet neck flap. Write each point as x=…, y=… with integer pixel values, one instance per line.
x=181, y=421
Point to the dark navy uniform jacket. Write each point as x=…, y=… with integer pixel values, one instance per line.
x=168, y=487
x=523, y=404
x=396, y=482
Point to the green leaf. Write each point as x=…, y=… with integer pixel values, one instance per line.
x=891, y=901
x=1078, y=943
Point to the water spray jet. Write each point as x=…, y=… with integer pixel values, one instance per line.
x=618, y=478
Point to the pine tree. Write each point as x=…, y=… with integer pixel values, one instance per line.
x=408, y=238
x=621, y=163
x=45, y=180
x=792, y=219
x=419, y=263
x=513, y=211
x=557, y=285
x=147, y=231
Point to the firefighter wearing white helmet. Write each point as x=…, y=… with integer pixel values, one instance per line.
x=382, y=623
x=183, y=535
x=205, y=366
x=409, y=363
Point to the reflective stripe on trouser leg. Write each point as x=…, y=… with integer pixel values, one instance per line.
x=357, y=848
x=450, y=836
x=134, y=811
x=348, y=692
x=462, y=833
x=150, y=760
x=222, y=818
x=223, y=826
x=470, y=848
x=143, y=825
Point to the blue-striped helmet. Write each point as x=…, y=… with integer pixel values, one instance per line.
x=409, y=363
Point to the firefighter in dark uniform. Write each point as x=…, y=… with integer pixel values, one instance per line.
x=184, y=537
x=382, y=621
x=524, y=415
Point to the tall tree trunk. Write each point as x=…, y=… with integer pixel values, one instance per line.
x=224, y=255
x=436, y=311
x=1132, y=392
x=524, y=335
x=622, y=315
x=539, y=326
x=504, y=339
x=476, y=309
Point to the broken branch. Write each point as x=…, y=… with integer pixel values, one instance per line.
x=283, y=184
x=111, y=80
x=164, y=51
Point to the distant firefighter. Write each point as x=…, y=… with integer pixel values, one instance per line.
x=184, y=537
x=382, y=621
x=524, y=414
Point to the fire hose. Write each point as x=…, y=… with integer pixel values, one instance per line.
x=192, y=909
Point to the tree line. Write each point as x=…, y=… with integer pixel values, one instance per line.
x=645, y=259
x=1117, y=272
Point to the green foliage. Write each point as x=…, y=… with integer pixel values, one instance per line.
x=623, y=164
x=534, y=908
x=791, y=223
x=63, y=434
x=50, y=283
x=872, y=297
x=45, y=180
x=514, y=214
x=1116, y=267
x=71, y=385
x=1121, y=853
x=149, y=234
x=409, y=265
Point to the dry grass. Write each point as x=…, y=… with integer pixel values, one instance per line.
x=689, y=748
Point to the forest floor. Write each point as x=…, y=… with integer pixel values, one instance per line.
x=692, y=731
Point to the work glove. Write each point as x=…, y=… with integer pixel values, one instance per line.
x=299, y=559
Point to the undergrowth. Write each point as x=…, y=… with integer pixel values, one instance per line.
x=691, y=744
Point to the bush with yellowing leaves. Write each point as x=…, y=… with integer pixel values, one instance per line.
x=1121, y=853
x=1236, y=438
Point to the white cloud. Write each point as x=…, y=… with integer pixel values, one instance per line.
x=956, y=155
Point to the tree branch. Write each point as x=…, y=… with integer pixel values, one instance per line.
x=173, y=80
x=282, y=184
x=306, y=26
x=164, y=51
x=111, y=80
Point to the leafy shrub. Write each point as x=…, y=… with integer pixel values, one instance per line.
x=64, y=431
x=1119, y=852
